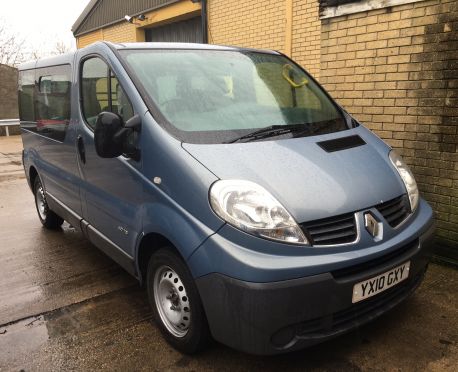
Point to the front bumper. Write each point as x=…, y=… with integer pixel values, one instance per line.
x=275, y=317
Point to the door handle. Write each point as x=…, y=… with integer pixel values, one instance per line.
x=81, y=149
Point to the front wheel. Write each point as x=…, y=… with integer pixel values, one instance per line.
x=176, y=302
x=47, y=217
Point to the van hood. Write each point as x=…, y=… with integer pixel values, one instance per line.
x=310, y=182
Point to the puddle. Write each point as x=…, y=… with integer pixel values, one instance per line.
x=34, y=339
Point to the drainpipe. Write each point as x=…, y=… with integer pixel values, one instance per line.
x=203, y=14
x=204, y=22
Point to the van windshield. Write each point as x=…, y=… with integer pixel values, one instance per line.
x=214, y=96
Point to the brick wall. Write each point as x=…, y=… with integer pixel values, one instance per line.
x=250, y=23
x=8, y=96
x=120, y=32
x=395, y=69
x=307, y=35
x=263, y=23
x=89, y=38
x=117, y=33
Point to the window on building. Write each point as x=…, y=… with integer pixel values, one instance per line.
x=337, y=8
x=101, y=91
x=325, y=3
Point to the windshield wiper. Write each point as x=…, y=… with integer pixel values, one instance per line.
x=270, y=131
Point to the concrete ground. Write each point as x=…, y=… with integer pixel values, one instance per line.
x=64, y=305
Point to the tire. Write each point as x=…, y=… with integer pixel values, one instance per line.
x=47, y=217
x=176, y=303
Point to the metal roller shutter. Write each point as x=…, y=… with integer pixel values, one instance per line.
x=187, y=31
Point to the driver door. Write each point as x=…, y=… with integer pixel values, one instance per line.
x=111, y=188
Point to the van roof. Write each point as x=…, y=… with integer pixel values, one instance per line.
x=50, y=61
x=68, y=57
x=156, y=45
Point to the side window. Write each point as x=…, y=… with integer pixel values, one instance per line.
x=26, y=87
x=44, y=100
x=101, y=91
x=120, y=102
x=52, y=101
x=94, y=83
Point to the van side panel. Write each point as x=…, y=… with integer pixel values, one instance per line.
x=112, y=194
x=174, y=191
x=57, y=166
x=111, y=188
x=48, y=132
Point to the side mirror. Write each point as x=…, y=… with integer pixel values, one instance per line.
x=110, y=135
x=107, y=126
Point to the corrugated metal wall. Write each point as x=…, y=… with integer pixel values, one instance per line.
x=188, y=31
x=109, y=11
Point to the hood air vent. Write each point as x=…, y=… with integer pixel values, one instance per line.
x=341, y=143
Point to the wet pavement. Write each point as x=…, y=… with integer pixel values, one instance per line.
x=10, y=158
x=64, y=305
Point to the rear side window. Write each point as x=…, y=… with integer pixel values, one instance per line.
x=26, y=99
x=52, y=106
x=44, y=100
x=101, y=91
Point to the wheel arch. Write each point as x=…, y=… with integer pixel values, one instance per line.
x=148, y=245
x=166, y=225
x=33, y=174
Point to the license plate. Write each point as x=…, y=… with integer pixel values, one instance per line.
x=380, y=283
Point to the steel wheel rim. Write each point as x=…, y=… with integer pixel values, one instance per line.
x=41, y=203
x=172, y=301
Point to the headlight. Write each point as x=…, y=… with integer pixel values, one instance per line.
x=251, y=208
x=407, y=177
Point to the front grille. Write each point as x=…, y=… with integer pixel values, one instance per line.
x=394, y=211
x=334, y=230
x=342, y=229
x=379, y=261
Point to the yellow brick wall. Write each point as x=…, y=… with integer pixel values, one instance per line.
x=120, y=32
x=395, y=69
x=307, y=35
x=89, y=38
x=249, y=23
x=263, y=24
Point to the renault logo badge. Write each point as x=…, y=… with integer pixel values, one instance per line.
x=373, y=227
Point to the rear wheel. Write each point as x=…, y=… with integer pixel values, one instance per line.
x=176, y=303
x=47, y=217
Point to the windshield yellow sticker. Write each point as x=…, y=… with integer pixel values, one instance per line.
x=286, y=70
